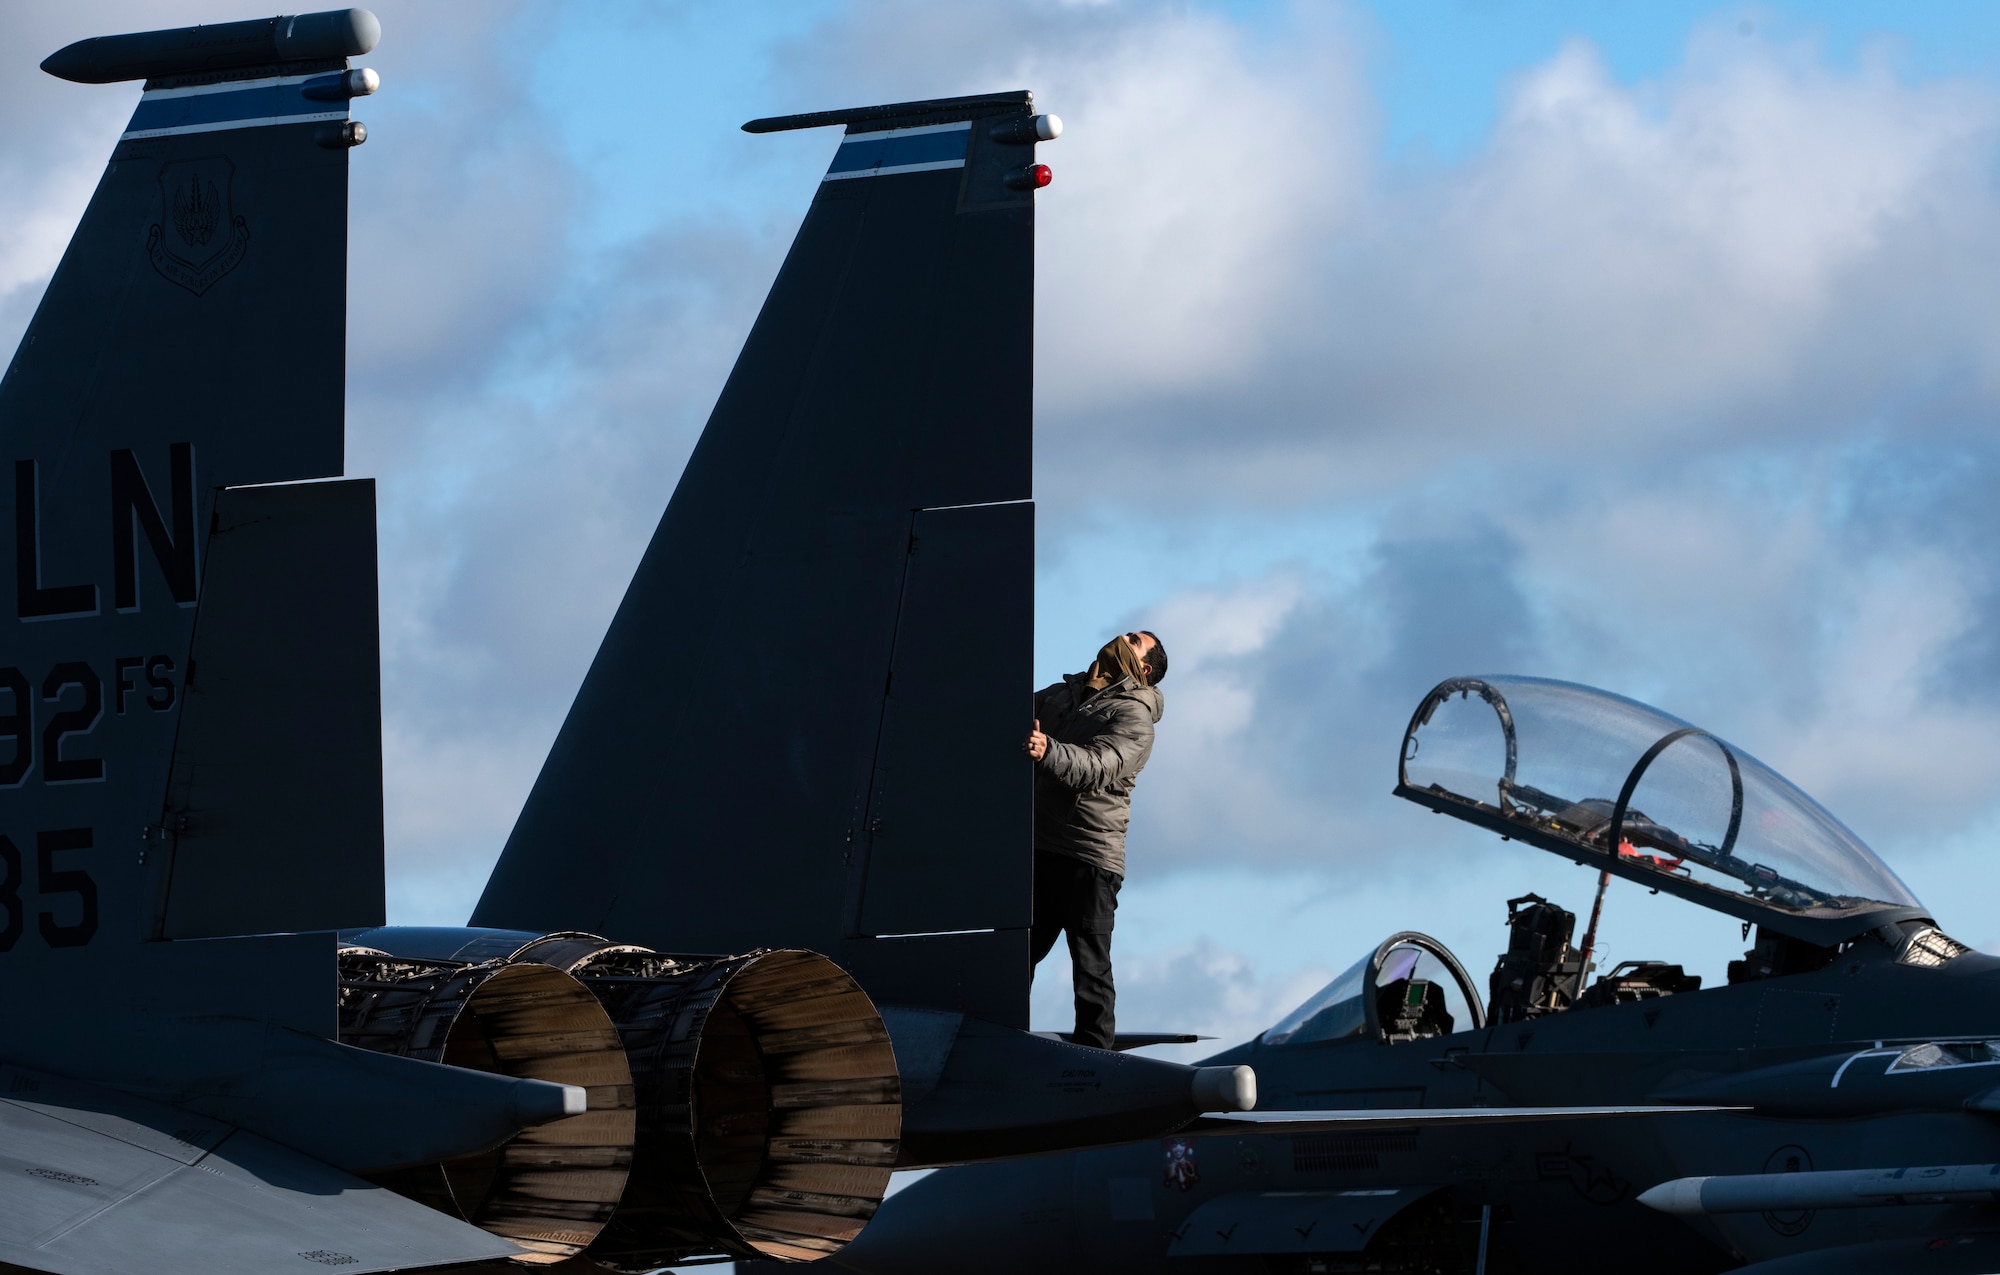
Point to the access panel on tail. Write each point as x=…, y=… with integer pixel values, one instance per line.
x=802, y=726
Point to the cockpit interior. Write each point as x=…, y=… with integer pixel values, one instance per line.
x=1619, y=786
x=1407, y=988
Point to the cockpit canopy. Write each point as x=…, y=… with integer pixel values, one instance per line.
x=1615, y=784
x=1408, y=988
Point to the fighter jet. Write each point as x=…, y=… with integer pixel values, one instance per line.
x=219, y=1058
x=1861, y=1043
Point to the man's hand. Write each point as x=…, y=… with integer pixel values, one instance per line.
x=1037, y=744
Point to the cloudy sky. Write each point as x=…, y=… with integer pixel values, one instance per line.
x=1655, y=346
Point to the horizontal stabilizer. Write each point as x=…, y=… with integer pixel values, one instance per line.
x=373, y=1112
x=1362, y=1120
x=99, y=1183
x=975, y=1091
x=1123, y=1041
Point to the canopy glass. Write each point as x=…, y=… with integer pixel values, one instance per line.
x=1618, y=784
x=1409, y=987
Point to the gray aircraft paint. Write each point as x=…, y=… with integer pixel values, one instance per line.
x=190, y=787
x=190, y=793
x=1822, y=1059
x=801, y=727
x=189, y=704
x=192, y=341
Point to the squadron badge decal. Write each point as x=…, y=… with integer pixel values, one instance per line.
x=199, y=237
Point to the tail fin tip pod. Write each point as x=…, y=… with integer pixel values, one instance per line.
x=954, y=108
x=225, y=46
x=800, y=728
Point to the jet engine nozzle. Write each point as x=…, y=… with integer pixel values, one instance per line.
x=765, y=1102
x=552, y=1187
x=770, y=1110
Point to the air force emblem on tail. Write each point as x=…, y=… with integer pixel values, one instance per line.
x=199, y=237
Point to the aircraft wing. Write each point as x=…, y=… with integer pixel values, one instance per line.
x=95, y=1182
x=1358, y=1121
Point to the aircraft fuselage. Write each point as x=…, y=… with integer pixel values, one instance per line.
x=1558, y=1191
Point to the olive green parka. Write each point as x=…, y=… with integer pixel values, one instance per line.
x=1098, y=743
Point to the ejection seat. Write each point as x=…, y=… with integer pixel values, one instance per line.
x=1410, y=987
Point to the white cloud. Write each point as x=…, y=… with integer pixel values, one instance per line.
x=1199, y=987
x=1603, y=395
x=55, y=151
x=1192, y=167
x=1755, y=246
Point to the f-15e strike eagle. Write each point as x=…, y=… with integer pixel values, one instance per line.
x=218, y=1058
x=1858, y=1044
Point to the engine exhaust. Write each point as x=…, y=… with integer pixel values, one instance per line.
x=760, y=1103
x=553, y=1187
x=768, y=1100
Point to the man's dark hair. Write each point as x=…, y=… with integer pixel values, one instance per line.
x=1156, y=659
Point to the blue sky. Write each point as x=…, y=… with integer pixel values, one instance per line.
x=1650, y=345
x=1427, y=87
x=613, y=75
x=1443, y=64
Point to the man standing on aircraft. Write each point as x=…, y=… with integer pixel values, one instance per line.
x=1098, y=737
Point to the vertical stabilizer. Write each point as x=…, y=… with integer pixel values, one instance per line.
x=802, y=726
x=191, y=341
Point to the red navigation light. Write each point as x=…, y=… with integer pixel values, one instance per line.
x=1030, y=177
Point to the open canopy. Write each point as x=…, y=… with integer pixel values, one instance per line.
x=1617, y=785
x=1407, y=988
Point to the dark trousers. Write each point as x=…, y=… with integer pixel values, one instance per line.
x=1075, y=898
